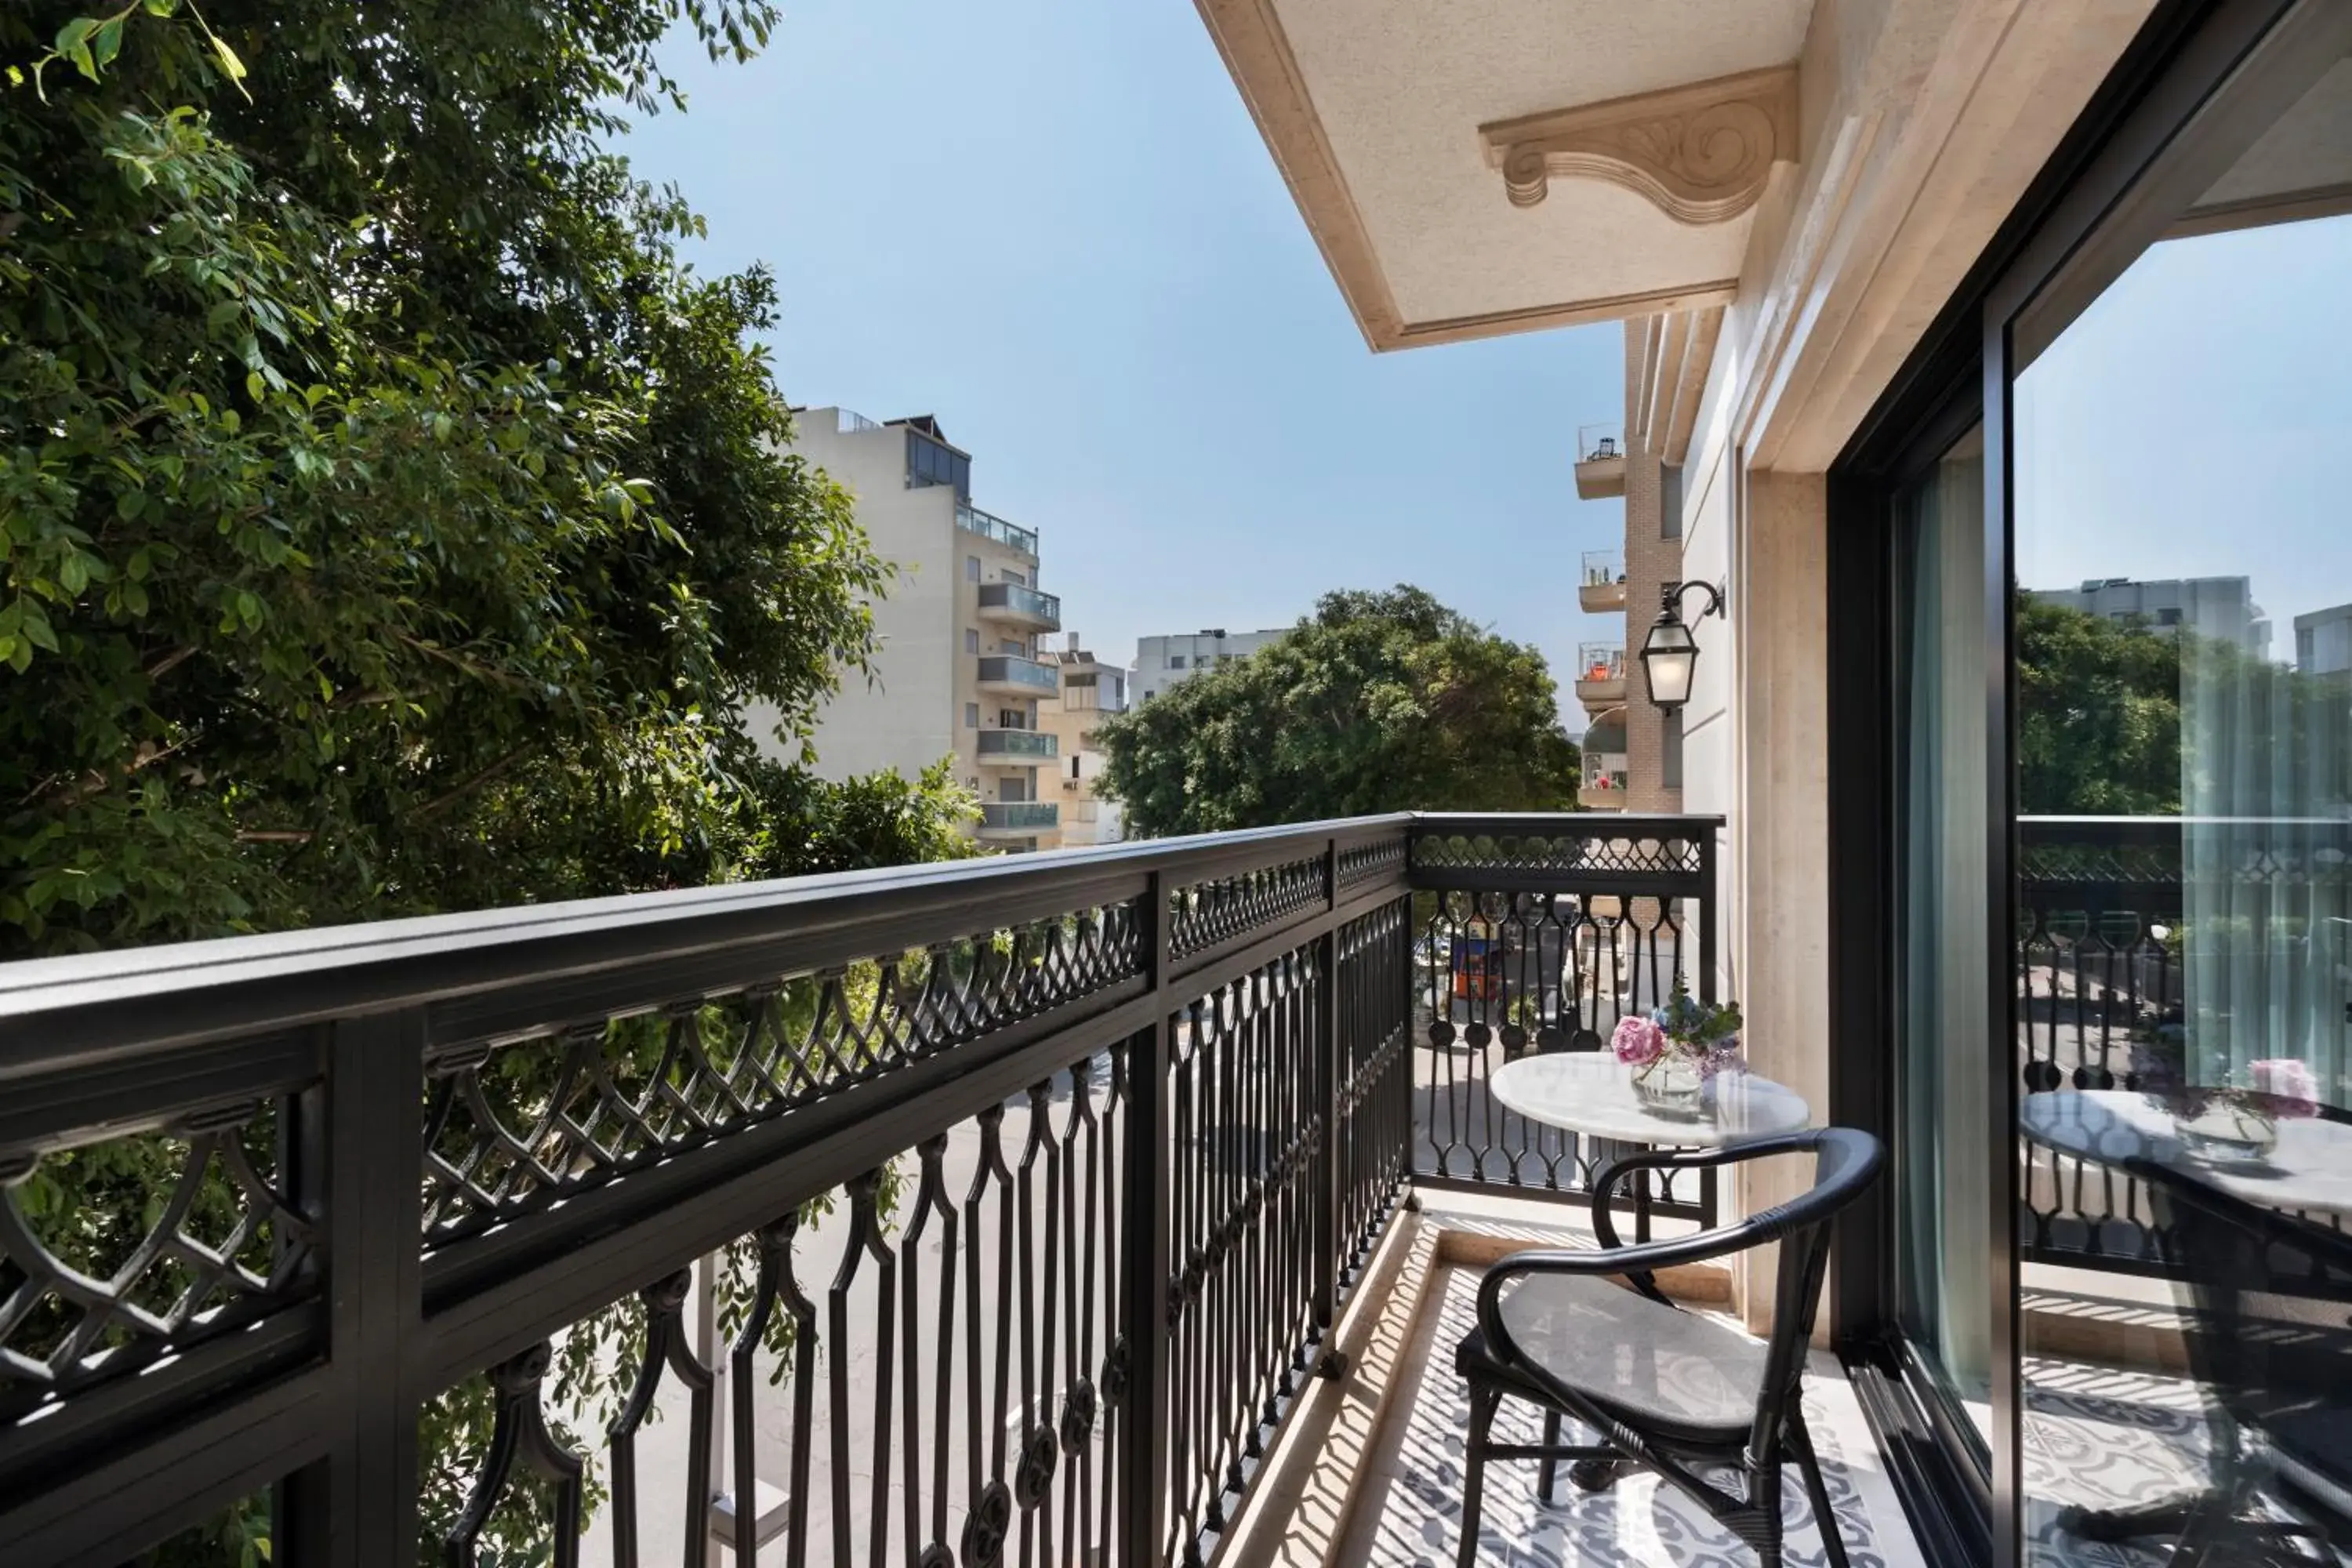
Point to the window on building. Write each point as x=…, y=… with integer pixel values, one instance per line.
x=1147, y=697
x=971, y=715
x=1011, y=719
x=970, y=640
x=1177, y=662
x=1670, y=501
x=971, y=568
x=1013, y=646
x=1017, y=579
x=930, y=463
x=1074, y=767
x=1080, y=677
x=1670, y=749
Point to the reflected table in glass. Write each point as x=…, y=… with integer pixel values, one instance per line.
x=2307, y=1172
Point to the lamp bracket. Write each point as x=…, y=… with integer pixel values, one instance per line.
x=1670, y=600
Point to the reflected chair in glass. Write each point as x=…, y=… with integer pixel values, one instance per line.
x=1664, y=1389
x=2267, y=1326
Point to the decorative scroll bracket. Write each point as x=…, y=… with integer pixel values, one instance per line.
x=1700, y=153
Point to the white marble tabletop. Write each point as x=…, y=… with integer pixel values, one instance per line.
x=1592, y=1093
x=2309, y=1171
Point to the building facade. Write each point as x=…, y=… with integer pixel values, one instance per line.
x=1092, y=690
x=2221, y=608
x=1959, y=289
x=1161, y=661
x=958, y=672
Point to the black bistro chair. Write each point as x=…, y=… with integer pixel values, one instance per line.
x=2268, y=1331
x=1666, y=1389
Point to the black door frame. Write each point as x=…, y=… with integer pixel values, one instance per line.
x=2196, y=63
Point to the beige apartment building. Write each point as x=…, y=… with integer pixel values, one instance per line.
x=959, y=673
x=1092, y=690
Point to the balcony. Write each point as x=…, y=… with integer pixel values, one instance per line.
x=1009, y=675
x=972, y=519
x=1010, y=605
x=1600, y=676
x=1603, y=790
x=1601, y=588
x=1599, y=462
x=855, y=1179
x=1018, y=818
x=1018, y=748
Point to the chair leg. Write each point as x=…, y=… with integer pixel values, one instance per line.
x=1483, y=1401
x=1550, y=1465
x=1764, y=1495
x=1817, y=1491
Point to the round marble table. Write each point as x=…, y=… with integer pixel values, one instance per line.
x=1592, y=1093
x=2309, y=1171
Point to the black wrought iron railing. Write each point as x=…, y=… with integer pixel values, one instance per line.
x=975, y=1214
x=2106, y=934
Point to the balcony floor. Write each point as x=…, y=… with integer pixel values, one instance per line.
x=1409, y=1511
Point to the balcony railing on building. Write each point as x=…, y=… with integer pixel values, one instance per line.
x=1601, y=587
x=1011, y=675
x=1604, y=789
x=1600, y=676
x=1020, y=817
x=987, y=525
x=1599, y=461
x=1019, y=746
x=1010, y=603
x=988, y=1212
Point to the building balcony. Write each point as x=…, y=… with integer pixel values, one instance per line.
x=1601, y=588
x=1010, y=605
x=1018, y=818
x=1018, y=748
x=1601, y=676
x=776, y=1156
x=1009, y=675
x=1603, y=790
x=1599, y=462
x=972, y=519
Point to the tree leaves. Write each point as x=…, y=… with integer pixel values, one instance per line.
x=1380, y=701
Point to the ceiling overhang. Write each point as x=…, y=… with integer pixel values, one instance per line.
x=1491, y=166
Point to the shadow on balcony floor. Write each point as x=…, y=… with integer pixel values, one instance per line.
x=1409, y=1513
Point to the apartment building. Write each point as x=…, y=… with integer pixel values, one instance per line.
x=2221, y=608
x=1092, y=690
x=2322, y=641
x=1161, y=661
x=958, y=673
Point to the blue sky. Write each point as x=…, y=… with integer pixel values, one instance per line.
x=2191, y=423
x=1054, y=227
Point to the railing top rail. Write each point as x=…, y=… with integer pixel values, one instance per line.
x=52, y=1009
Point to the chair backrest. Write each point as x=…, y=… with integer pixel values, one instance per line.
x=1846, y=1160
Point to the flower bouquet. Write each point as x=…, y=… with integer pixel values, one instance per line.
x=2234, y=1121
x=1678, y=1051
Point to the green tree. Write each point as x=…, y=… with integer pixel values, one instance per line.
x=2098, y=714
x=392, y=522
x=1379, y=701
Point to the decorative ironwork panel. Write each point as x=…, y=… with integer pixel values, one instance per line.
x=1360, y=863
x=512, y=1130
x=1506, y=974
x=922, y=1366
x=1248, y=1149
x=121, y=1254
x=1373, y=1139
x=1586, y=855
x=1206, y=914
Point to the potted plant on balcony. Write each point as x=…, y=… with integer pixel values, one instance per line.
x=1678, y=1051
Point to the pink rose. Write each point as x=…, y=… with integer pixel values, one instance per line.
x=1637, y=1041
x=2291, y=1084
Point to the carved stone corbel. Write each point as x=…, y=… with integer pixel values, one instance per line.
x=1701, y=154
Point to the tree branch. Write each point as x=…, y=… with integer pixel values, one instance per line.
x=441, y=802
